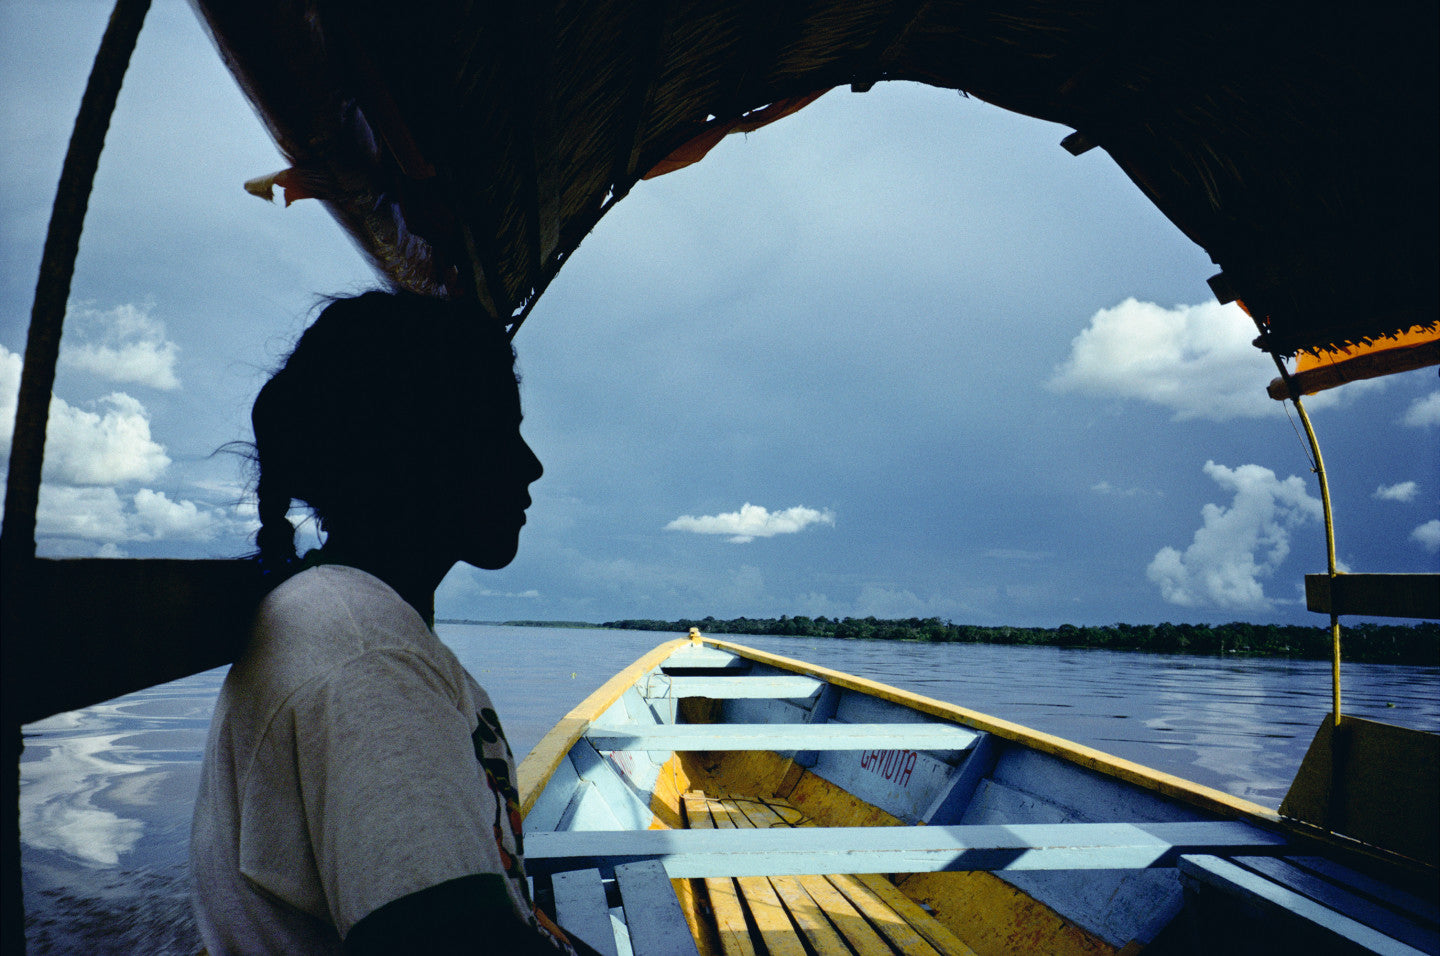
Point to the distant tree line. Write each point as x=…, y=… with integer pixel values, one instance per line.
x=1368, y=643
x=564, y=624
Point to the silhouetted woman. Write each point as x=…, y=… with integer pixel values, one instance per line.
x=357, y=793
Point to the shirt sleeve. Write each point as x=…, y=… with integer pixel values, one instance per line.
x=388, y=789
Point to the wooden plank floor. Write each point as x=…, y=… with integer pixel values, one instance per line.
x=828, y=915
x=724, y=895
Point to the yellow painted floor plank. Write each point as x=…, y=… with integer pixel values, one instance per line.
x=895, y=927
x=863, y=938
x=926, y=925
x=806, y=913
x=880, y=895
x=724, y=898
x=698, y=918
x=851, y=923
x=771, y=919
x=822, y=936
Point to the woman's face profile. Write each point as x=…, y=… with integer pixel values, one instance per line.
x=489, y=489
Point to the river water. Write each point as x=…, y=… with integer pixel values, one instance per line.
x=106, y=792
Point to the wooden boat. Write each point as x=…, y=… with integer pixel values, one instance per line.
x=717, y=799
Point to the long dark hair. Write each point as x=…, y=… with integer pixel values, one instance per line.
x=369, y=390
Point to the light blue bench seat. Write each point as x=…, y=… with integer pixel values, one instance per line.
x=1348, y=909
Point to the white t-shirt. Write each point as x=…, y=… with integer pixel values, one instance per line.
x=351, y=761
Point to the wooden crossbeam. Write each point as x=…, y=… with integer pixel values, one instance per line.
x=780, y=687
x=809, y=917
x=1375, y=595
x=1069, y=846
x=694, y=656
x=686, y=737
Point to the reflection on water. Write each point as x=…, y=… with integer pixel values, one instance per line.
x=105, y=797
x=106, y=792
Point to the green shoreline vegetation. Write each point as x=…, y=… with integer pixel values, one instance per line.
x=569, y=625
x=1417, y=644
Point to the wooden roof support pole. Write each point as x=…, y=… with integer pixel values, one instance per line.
x=42, y=350
x=62, y=243
x=1220, y=285
x=1332, y=566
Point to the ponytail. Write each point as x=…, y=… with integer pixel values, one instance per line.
x=276, y=537
x=275, y=541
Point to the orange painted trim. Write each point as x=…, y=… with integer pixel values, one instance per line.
x=1415, y=335
x=694, y=150
x=1404, y=352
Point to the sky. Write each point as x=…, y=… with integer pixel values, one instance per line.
x=898, y=355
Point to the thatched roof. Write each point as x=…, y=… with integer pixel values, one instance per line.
x=471, y=146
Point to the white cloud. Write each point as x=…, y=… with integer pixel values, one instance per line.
x=91, y=514
x=1423, y=412
x=124, y=344
x=1428, y=534
x=1105, y=488
x=104, y=447
x=1403, y=491
x=815, y=604
x=156, y=518
x=1236, y=546
x=1196, y=360
x=104, y=519
x=10, y=365
x=752, y=521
